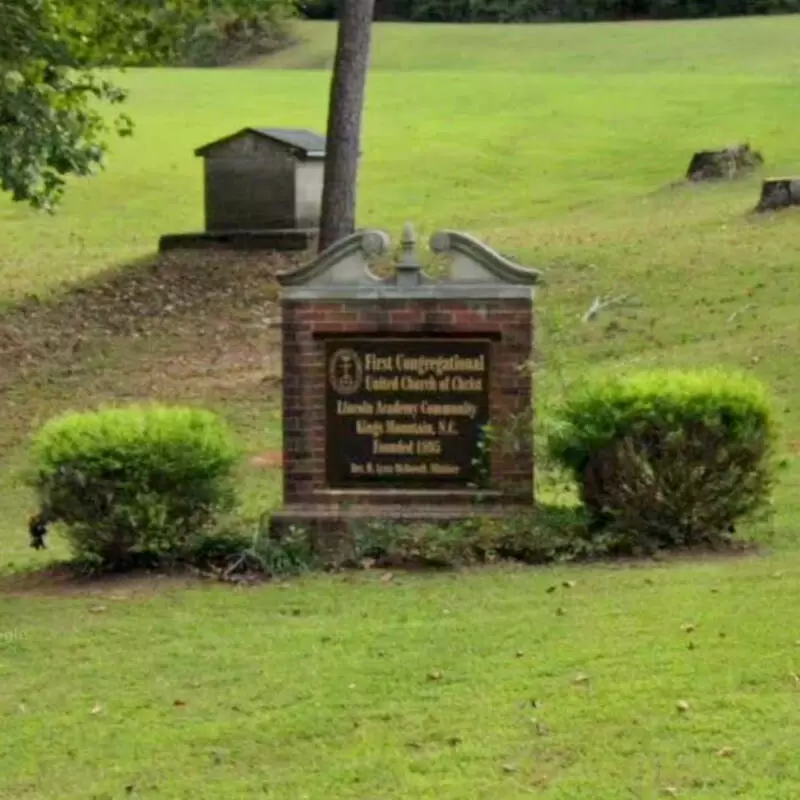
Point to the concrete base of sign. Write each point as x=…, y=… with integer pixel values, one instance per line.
x=332, y=530
x=282, y=241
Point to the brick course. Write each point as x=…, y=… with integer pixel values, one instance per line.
x=306, y=324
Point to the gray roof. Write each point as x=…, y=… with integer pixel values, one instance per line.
x=303, y=143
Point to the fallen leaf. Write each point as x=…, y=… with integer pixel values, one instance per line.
x=509, y=768
x=560, y=612
x=97, y=709
x=367, y=563
x=454, y=741
x=178, y=703
x=689, y=627
x=682, y=706
x=581, y=678
x=23, y=708
x=568, y=584
x=520, y=654
x=725, y=752
x=434, y=675
x=351, y=686
x=551, y=589
x=97, y=609
x=670, y=791
x=386, y=577
x=795, y=677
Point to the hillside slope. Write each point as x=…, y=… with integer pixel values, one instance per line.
x=560, y=145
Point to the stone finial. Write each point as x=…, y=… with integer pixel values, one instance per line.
x=408, y=270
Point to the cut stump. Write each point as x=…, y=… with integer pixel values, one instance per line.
x=710, y=165
x=779, y=193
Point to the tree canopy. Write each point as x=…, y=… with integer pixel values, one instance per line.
x=52, y=120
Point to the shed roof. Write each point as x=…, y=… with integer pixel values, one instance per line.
x=303, y=143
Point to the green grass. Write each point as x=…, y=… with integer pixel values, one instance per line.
x=559, y=145
x=754, y=46
x=421, y=687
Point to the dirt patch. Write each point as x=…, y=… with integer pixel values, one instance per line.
x=181, y=326
x=204, y=292
x=696, y=555
x=61, y=581
x=271, y=459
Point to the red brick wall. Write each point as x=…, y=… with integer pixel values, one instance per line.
x=304, y=379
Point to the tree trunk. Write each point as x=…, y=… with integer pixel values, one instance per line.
x=338, y=218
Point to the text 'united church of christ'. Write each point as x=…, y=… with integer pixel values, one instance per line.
x=405, y=412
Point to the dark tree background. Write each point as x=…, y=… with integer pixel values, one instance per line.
x=553, y=10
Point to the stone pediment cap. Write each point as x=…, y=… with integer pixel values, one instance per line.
x=344, y=261
x=347, y=263
x=466, y=248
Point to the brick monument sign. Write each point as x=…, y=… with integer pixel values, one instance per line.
x=389, y=384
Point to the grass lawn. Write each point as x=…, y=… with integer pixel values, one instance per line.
x=562, y=146
x=420, y=687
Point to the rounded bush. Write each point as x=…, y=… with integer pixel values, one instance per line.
x=668, y=458
x=136, y=481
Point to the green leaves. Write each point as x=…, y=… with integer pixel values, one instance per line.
x=134, y=480
x=51, y=97
x=668, y=458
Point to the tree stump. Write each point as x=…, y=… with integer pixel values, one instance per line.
x=779, y=193
x=710, y=165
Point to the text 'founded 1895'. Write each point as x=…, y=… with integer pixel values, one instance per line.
x=405, y=412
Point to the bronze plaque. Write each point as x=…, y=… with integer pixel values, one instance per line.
x=405, y=413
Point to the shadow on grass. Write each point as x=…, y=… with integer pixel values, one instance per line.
x=174, y=325
x=544, y=543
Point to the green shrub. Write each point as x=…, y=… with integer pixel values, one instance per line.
x=219, y=549
x=131, y=482
x=291, y=553
x=538, y=535
x=666, y=458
